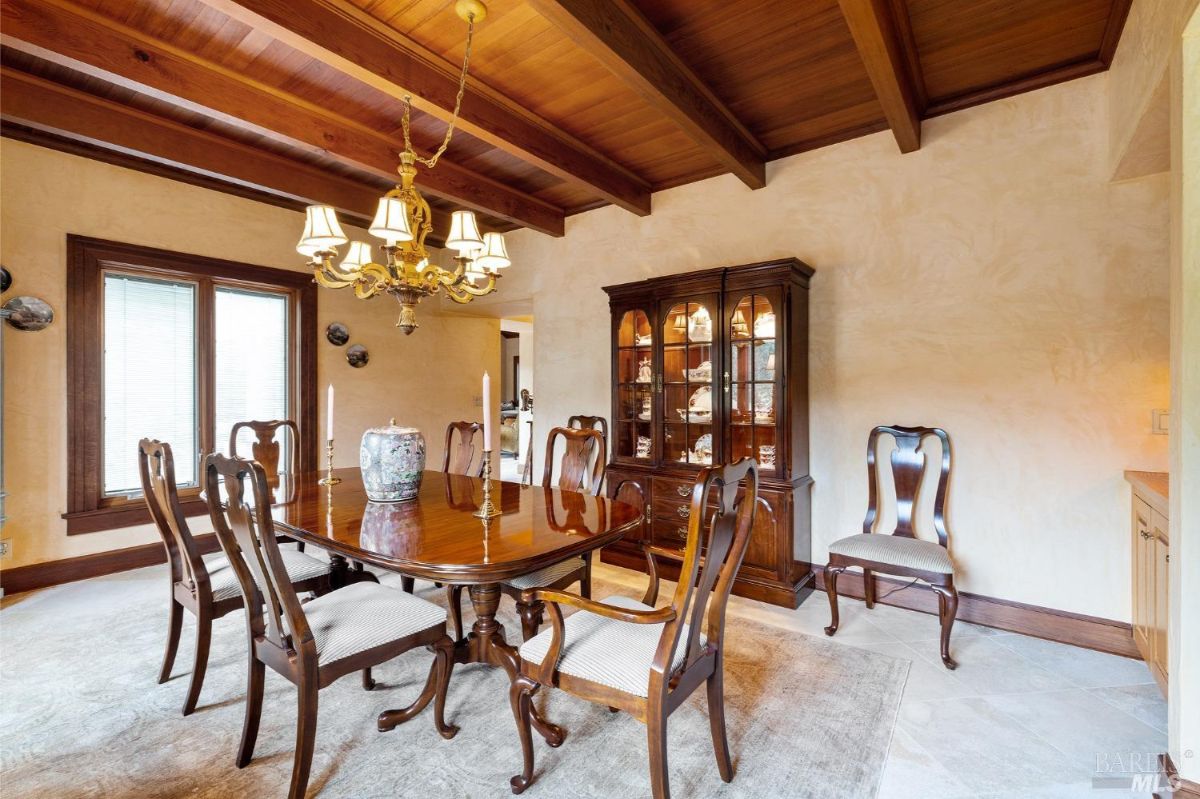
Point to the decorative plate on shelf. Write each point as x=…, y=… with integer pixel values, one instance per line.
x=643, y=341
x=701, y=374
x=701, y=401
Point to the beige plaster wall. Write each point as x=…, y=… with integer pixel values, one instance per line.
x=1138, y=96
x=424, y=380
x=994, y=283
x=1183, y=639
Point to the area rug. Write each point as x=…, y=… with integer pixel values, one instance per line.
x=81, y=715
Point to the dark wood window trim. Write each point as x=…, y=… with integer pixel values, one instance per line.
x=88, y=509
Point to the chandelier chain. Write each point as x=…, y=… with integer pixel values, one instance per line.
x=432, y=160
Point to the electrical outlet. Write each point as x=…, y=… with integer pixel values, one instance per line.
x=1160, y=421
x=5, y=547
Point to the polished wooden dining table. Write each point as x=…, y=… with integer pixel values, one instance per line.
x=437, y=537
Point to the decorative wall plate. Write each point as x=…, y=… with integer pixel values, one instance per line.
x=29, y=313
x=357, y=356
x=337, y=334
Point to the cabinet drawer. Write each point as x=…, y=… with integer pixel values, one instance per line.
x=670, y=534
x=671, y=508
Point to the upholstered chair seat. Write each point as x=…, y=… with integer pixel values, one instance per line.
x=224, y=582
x=546, y=576
x=362, y=616
x=607, y=651
x=892, y=550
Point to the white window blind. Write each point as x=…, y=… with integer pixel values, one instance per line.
x=252, y=366
x=149, y=376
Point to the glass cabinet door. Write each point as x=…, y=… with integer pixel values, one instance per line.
x=688, y=332
x=754, y=385
x=635, y=388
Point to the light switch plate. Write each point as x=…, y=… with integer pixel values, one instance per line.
x=1160, y=421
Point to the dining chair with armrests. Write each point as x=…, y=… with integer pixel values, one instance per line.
x=901, y=553
x=580, y=470
x=312, y=645
x=630, y=656
x=204, y=586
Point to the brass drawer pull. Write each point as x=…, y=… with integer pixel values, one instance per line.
x=683, y=491
x=684, y=511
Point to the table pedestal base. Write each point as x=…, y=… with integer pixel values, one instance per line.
x=486, y=644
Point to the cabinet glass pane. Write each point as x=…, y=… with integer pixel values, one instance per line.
x=634, y=403
x=764, y=317
x=634, y=330
x=764, y=446
x=675, y=325
x=634, y=440
x=634, y=366
x=764, y=403
x=742, y=320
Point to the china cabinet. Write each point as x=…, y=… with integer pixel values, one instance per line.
x=709, y=367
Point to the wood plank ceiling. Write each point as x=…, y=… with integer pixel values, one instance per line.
x=571, y=104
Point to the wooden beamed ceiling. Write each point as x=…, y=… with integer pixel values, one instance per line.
x=571, y=104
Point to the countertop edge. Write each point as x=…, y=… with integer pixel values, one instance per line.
x=1153, y=486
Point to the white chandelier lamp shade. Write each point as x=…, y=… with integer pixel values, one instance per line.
x=391, y=221
x=322, y=232
x=308, y=251
x=494, y=255
x=474, y=271
x=464, y=233
x=357, y=256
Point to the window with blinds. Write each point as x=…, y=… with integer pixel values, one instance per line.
x=150, y=380
x=252, y=364
x=177, y=347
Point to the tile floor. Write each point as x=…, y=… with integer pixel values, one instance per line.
x=1020, y=717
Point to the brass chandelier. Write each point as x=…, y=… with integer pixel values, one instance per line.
x=403, y=220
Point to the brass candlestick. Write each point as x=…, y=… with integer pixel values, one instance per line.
x=487, y=510
x=329, y=479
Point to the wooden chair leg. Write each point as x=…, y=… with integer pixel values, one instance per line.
x=656, y=736
x=407, y=583
x=306, y=735
x=203, y=639
x=367, y=680
x=585, y=583
x=254, y=699
x=174, y=628
x=444, y=650
x=531, y=618
x=948, y=610
x=520, y=696
x=454, y=600
x=831, y=575
x=869, y=588
x=716, y=720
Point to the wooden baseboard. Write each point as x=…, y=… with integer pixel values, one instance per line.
x=56, y=572
x=1180, y=788
x=1089, y=632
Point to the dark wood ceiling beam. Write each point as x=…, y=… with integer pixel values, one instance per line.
x=350, y=40
x=880, y=43
x=620, y=37
x=45, y=106
x=76, y=37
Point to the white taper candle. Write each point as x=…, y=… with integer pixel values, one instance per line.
x=487, y=411
x=329, y=414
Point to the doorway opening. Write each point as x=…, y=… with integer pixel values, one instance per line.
x=516, y=396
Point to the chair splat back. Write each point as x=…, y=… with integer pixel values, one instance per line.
x=156, y=467
x=457, y=459
x=247, y=534
x=908, y=472
x=582, y=466
x=265, y=449
x=708, y=576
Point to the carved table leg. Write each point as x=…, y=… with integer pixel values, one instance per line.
x=486, y=644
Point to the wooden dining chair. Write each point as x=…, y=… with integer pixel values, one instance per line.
x=204, y=586
x=458, y=460
x=630, y=656
x=312, y=645
x=266, y=450
x=581, y=470
x=901, y=553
